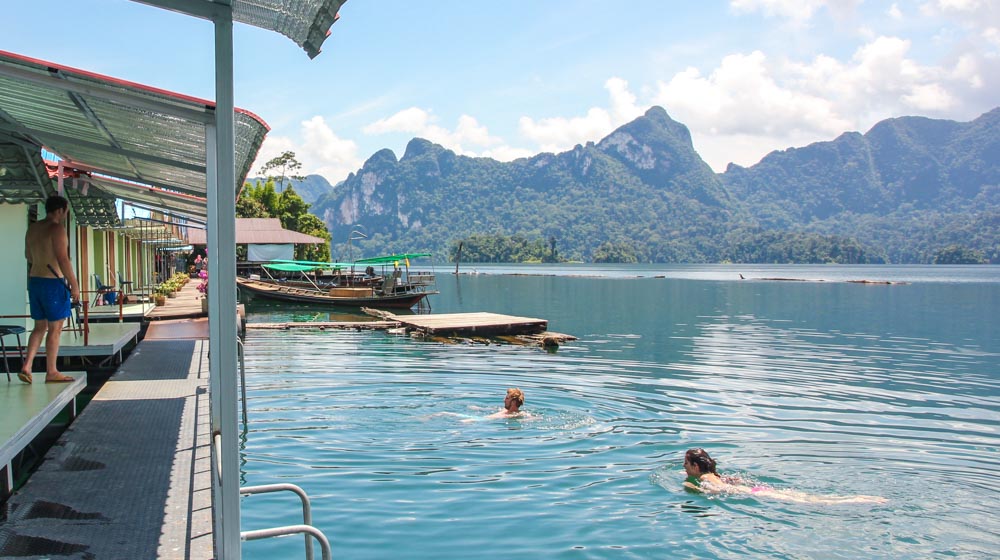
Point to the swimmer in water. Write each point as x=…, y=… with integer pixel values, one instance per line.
x=512, y=404
x=703, y=477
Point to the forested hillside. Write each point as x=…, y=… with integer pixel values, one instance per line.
x=909, y=187
x=906, y=191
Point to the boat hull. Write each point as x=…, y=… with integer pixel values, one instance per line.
x=299, y=295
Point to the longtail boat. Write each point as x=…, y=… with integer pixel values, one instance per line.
x=395, y=286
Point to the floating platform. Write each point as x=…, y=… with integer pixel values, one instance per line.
x=471, y=324
x=471, y=327
x=324, y=325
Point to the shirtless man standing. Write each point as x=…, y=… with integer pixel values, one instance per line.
x=46, y=246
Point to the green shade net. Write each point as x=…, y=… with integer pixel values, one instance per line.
x=391, y=258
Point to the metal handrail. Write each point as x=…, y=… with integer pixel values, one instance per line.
x=291, y=530
x=243, y=378
x=306, y=514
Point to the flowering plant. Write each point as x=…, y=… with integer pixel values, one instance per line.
x=203, y=286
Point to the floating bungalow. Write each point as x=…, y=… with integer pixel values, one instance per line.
x=142, y=168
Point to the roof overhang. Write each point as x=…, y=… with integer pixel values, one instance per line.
x=151, y=198
x=306, y=22
x=23, y=178
x=124, y=131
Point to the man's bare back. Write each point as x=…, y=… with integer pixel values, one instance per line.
x=40, y=249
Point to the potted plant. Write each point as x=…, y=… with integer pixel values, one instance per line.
x=203, y=288
x=160, y=297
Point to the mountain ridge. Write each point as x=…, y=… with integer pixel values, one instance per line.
x=645, y=187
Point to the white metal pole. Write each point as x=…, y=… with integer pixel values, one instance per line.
x=222, y=297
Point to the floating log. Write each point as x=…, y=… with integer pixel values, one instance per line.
x=472, y=328
x=333, y=325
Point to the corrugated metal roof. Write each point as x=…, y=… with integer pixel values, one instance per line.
x=152, y=198
x=116, y=128
x=23, y=178
x=95, y=209
x=259, y=230
x=146, y=230
x=306, y=22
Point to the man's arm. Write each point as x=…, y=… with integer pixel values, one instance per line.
x=60, y=248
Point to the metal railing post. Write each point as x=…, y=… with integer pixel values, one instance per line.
x=306, y=512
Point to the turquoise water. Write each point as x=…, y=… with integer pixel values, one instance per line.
x=822, y=386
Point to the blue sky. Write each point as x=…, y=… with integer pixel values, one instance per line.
x=511, y=79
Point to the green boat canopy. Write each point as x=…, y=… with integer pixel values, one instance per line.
x=285, y=265
x=290, y=267
x=317, y=264
x=392, y=258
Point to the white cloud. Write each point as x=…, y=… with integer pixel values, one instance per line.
x=975, y=14
x=320, y=151
x=408, y=120
x=743, y=96
x=929, y=97
x=419, y=122
x=555, y=134
x=894, y=12
x=992, y=36
x=507, y=153
x=751, y=104
x=797, y=10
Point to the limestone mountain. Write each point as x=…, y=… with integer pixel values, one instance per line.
x=909, y=186
x=643, y=182
x=906, y=189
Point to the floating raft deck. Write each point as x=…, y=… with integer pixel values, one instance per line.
x=481, y=324
x=472, y=324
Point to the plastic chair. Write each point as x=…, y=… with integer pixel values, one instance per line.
x=124, y=285
x=17, y=331
x=102, y=289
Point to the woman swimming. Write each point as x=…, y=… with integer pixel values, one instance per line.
x=703, y=477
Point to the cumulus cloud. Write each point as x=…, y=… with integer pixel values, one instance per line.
x=555, y=134
x=798, y=10
x=320, y=151
x=974, y=14
x=751, y=103
x=467, y=136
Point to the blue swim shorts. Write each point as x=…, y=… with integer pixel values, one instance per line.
x=48, y=298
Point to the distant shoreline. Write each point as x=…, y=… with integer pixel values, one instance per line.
x=663, y=276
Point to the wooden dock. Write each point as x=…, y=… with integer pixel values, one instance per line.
x=472, y=324
x=448, y=327
x=332, y=325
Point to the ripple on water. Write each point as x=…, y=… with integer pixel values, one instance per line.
x=390, y=438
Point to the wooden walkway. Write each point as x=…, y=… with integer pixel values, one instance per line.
x=130, y=477
x=186, y=304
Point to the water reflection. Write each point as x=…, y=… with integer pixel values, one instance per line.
x=822, y=389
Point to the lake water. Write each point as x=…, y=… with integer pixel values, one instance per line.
x=822, y=386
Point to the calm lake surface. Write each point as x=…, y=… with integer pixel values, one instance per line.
x=822, y=386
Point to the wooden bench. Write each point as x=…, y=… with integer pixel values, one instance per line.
x=27, y=410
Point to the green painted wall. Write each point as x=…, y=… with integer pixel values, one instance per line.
x=14, y=283
x=98, y=263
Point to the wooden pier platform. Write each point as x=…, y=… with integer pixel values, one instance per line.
x=472, y=324
x=440, y=324
x=475, y=327
x=324, y=325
